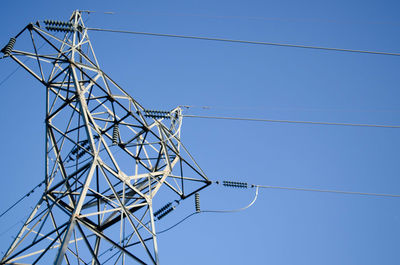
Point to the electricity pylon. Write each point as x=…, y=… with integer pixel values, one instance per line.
x=106, y=158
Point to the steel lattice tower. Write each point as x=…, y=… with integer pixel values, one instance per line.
x=106, y=157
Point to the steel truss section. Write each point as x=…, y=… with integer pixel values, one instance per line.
x=106, y=158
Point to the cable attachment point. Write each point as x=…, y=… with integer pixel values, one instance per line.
x=9, y=47
x=235, y=184
x=197, y=202
x=157, y=114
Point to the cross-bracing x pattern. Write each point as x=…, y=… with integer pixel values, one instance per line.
x=105, y=160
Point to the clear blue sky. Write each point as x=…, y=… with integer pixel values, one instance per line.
x=283, y=227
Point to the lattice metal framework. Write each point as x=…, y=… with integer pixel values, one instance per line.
x=106, y=158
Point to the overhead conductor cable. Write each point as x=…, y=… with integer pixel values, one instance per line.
x=244, y=41
x=295, y=122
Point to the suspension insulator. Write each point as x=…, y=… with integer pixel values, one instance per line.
x=75, y=150
x=84, y=143
x=9, y=47
x=162, y=215
x=71, y=158
x=115, y=138
x=235, y=184
x=80, y=154
x=197, y=202
x=157, y=114
x=57, y=23
x=162, y=209
x=59, y=29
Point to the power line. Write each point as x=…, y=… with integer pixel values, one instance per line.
x=17, y=68
x=243, y=41
x=280, y=188
x=12, y=226
x=10, y=75
x=279, y=19
x=169, y=205
x=214, y=211
x=178, y=223
x=294, y=122
x=283, y=109
x=235, y=210
x=329, y=191
x=23, y=197
x=245, y=185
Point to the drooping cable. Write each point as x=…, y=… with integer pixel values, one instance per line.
x=10, y=75
x=198, y=211
x=235, y=210
x=2, y=233
x=178, y=223
x=295, y=122
x=23, y=197
x=244, y=41
x=235, y=184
